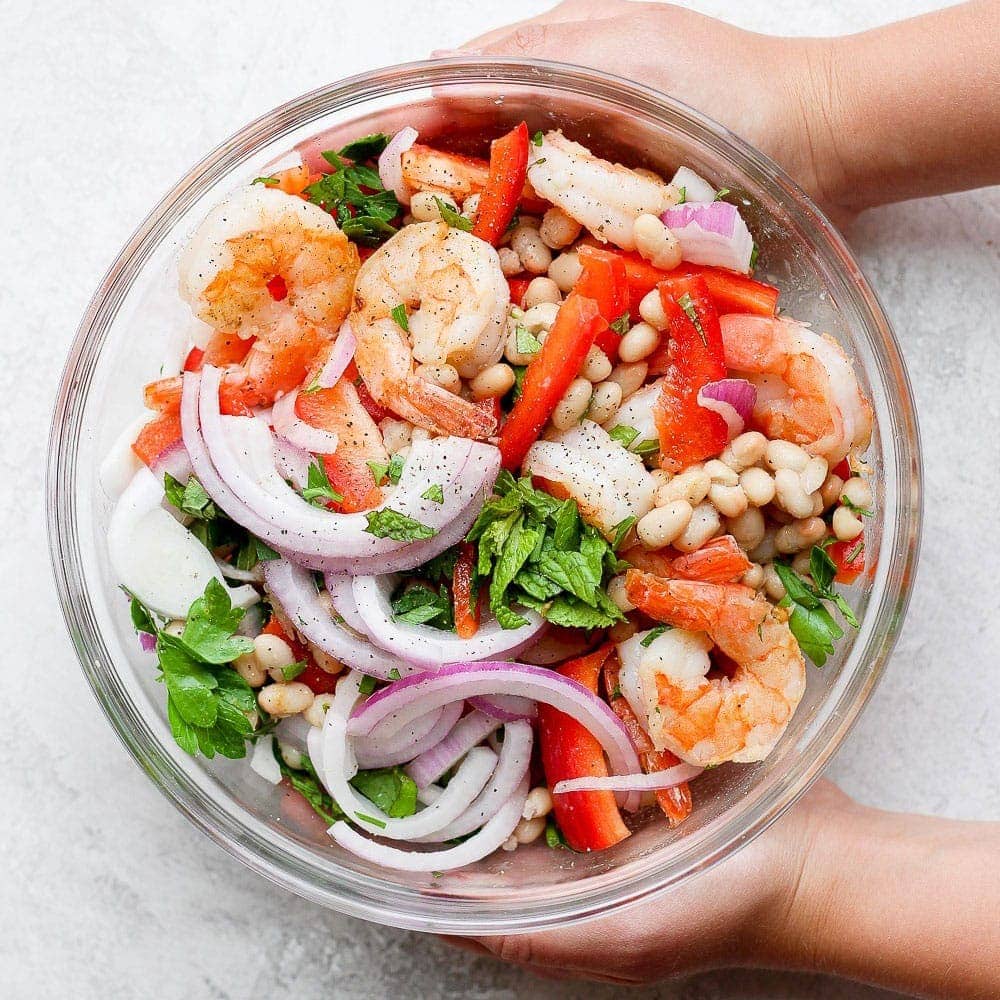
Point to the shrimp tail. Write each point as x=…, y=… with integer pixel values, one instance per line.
x=687, y=604
x=430, y=406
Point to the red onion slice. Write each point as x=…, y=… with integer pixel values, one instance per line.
x=235, y=464
x=479, y=846
x=712, y=234
x=390, y=163
x=733, y=399
x=292, y=463
x=339, y=765
x=340, y=357
x=429, y=646
x=652, y=782
x=293, y=588
x=512, y=769
x=468, y=732
x=420, y=693
x=147, y=642
x=295, y=430
x=505, y=707
x=419, y=736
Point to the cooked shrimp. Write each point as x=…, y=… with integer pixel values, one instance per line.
x=605, y=197
x=707, y=721
x=456, y=298
x=807, y=391
x=264, y=260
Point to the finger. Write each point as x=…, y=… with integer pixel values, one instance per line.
x=570, y=10
x=466, y=944
x=567, y=41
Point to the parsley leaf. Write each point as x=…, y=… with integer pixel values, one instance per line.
x=398, y=314
x=318, y=490
x=525, y=341
x=537, y=138
x=652, y=635
x=190, y=498
x=623, y=434
x=389, y=788
x=142, y=617
x=266, y=181
x=306, y=782
x=683, y=193
x=454, y=219
x=211, y=622
x=389, y=523
x=365, y=148
x=621, y=325
x=433, y=492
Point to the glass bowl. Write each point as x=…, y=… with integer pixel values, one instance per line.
x=134, y=328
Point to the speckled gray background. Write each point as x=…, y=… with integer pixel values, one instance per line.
x=105, y=890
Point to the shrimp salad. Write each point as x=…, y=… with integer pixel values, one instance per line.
x=495, y=499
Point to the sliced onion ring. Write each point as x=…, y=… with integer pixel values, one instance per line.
x=505, y=707
x=652, y=782
x=419, y=693
x=293, y=588
x=390, y=163
x=340, y=357
x=733, y=399
x=429, y=646
x=294, y=429
x=405, y=744
x=469, y=731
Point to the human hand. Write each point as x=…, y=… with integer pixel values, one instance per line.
x=770, y=91
x=748, y=910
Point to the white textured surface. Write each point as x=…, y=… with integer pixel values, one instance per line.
x=106, y=890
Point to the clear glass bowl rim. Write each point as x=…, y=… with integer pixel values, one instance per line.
x=359, y=895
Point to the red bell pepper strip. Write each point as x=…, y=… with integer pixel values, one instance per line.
x=314, y=676
x=547, y=378
x=590, y=821
x=604, y=280
x=688, y=432
x=508, y=172
x=850, y=559
x=518, y=286
x=675, y=802
x=161, y=433
x=467, y=602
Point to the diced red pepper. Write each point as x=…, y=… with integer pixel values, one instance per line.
x=375, y=409
x=194, y=360
x=508, y=172
x=604, y=280
x=843, y=469
x=518, y=286
x=223, y=349
x=157, y=436
x=277, y=288
x=547, y=378
x=850, y=559
x=590, y=821
x=314, y=676
x=688, y=432
x=466, y=600
x=675, y=802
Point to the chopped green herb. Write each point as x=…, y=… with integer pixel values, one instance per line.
x=621, y=325
x=623, y=434
x=420, y=604
x=433, y=492
x=306, y=782
x=525, y=341
x=365, y=148
x=389, y=788
x=399, y=315
x=537, y=138
x=454, y=219
x=318, y=490
x=856, y=551
x=648, y=446
x=518, y=386
x=313, y=386
x=394, y=674
x=142, y=618
x=367, y=684
x=190, y=498
x=682, y=193
x=371, y=819
x=554, y=836
x=754, y=256
x=721, y=193
x=395, y=470
x=854, y=508
x=293, y=670
x=687, y=304
x=388, y=523
x=253, y=551
x=652, y=635
x=622, y=528
x=266, y=181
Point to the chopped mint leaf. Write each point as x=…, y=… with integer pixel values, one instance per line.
x=365, y=148
x=420, y=604
x=653, y=634
x=394, y=674
x=395, y=470
x=648, y=446
x=518, y=388
x=389, y=523
x=190, y=498
x=318, y=490
x=537, y=138
x=254, y=551
x=683, y=195
x=399, y=316
x=554, y=837
x=293, y=670
x=623, y=434
x=266, y=181
x=721, y=193
x=687, y=304
x=389, y=788
x=622, y=528
x=367, y=684
x=621, y=325
x=854, y=508
x=454, y=219
x=754, y=256
x=856, y=551
x=433, y=492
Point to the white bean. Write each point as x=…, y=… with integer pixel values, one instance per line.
x=814, y=474
x=443, y=375
x=638, y=343
x=616, y=591
x=493, y=381
x=832, y=490
x=652, y=312
x=570, y=409
x=565, y=270
x=510, y=263
x=395, y=433
x=316, y=712
x=629, y=376
x=470, y=207
x=662, y=525
x=596, y=366
x=773, y=586
x=604, y=403
x=846, y=525
x=765, y=550
x=744, y=450
x=789, y=494
x=290, y=755
x=786, y=455
x=703, y=525
x=273, y=654
x=721, y=473
x=692, y=485
x=730, y=501
x=754, y=576
x=250, y=670
x=858, y=492
x=526, y=242
x=799, y=535
x=558, y=229
x=285, y=699
x=423, y=206
x=758, y=486
x=528, y=831
x=538, y=803
x=541, y=289
x=747, y=528
x=540, y=317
